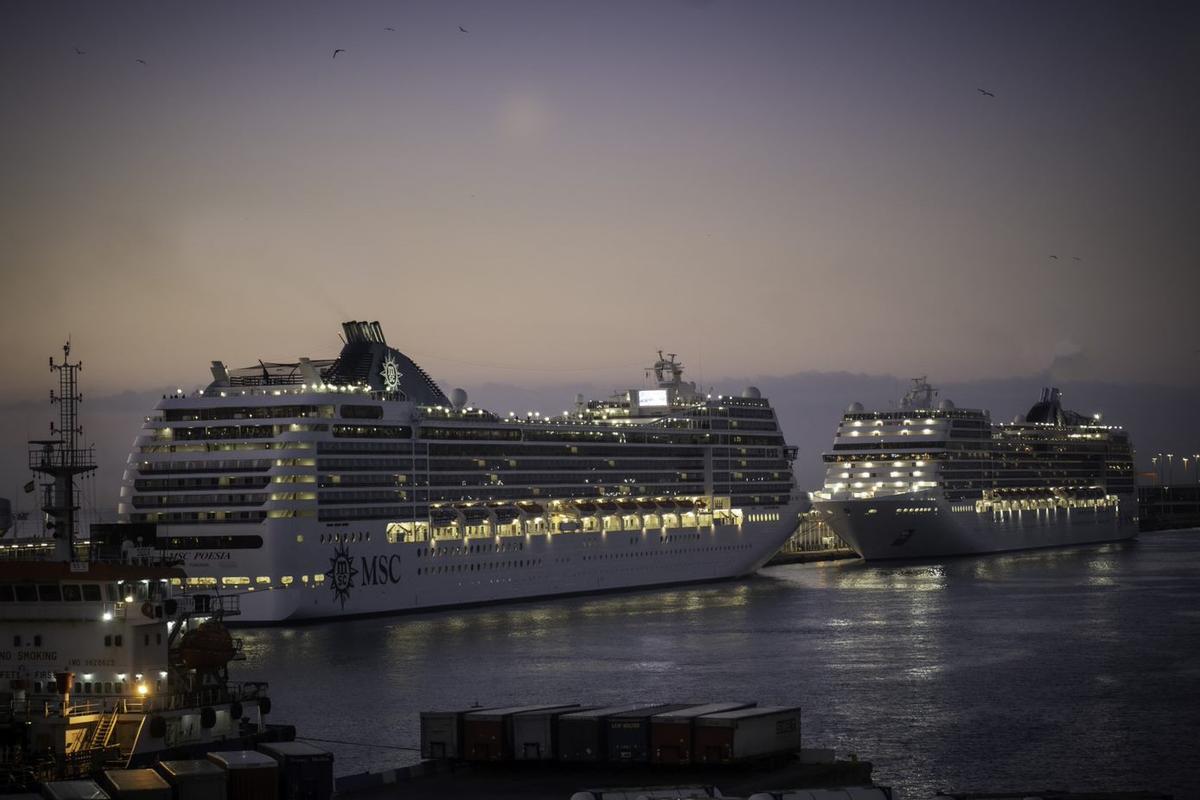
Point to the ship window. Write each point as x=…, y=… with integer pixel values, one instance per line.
x=6, y=593
x=362, y=412
x=71, y=592
x=49, y=592
x=17, y=640
x=37, y=640
x=108, y=640
x=107, y=687
x=117, y=640
x=37, y=687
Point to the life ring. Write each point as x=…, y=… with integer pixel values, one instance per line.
x=148, y=609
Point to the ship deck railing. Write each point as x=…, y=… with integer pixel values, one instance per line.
x=53, y=457
x=194, y=601
x=174, y=701
x=35, y=550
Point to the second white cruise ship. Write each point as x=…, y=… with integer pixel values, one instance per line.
x=355, y=485
x=929, y=479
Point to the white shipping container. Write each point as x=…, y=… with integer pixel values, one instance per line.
x=751, y=732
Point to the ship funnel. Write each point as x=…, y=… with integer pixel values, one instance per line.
x=363, y=332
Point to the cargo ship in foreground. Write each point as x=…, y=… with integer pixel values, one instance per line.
x=929, y=479
x=356, y=485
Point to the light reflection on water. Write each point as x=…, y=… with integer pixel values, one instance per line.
x=1071, y=668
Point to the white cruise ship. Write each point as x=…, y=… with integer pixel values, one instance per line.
x=356, y=486
x=930, y=479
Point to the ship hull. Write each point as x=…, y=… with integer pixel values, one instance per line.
x=353, y=570
x=913, y=526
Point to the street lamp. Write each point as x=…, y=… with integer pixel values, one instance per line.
x=1170, y=468
x=1157, y=476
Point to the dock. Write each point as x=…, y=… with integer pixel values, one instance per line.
x=528, y=781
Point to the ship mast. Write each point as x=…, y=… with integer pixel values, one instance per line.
x=61, y=459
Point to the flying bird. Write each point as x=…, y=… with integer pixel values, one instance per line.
x=339, y=50
x=1076, y=258
x=79, y=52
x=986, y=93
x=1054, y=257
x=141, y=61
x=461, y=29
x=393, y=30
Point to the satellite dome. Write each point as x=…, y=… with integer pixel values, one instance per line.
x=1018, y=419
x=751, y=393
x=579, y=399
x=854, y=408
x=458, y=398
x=946, y=405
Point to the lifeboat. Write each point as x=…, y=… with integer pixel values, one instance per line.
x=207, y=648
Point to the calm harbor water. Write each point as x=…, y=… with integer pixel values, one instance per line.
x=1057, y=669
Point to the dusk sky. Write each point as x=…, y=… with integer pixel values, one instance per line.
x=765, y=188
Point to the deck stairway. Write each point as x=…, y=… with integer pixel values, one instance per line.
x=103, y=731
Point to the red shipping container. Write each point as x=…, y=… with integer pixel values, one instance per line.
x=671, y=732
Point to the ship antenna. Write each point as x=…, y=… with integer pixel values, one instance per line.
x=62, y=458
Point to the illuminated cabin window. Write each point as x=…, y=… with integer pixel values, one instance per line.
x=287, y=580
x=263, y=579
x=235, y=581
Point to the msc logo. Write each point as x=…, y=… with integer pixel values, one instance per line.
x=341, y=574
x=376, y=571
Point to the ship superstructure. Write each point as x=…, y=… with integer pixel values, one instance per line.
x=356, y=485
x=109, y=658
x=930, y=479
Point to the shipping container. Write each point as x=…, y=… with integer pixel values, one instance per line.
x=442, y=733
x=671, y=733
x=487, y=735
x=136, y=784
x=535, y=733
x=750, y=733
x=847, y=793
x=628, y=733
x=305, y=771
x=73, y=790
x=582, y=735
x=249, y=775
x=194, y=779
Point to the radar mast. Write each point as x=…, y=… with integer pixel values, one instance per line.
x=61, y=458
x=666, y=365
x=920, y=395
